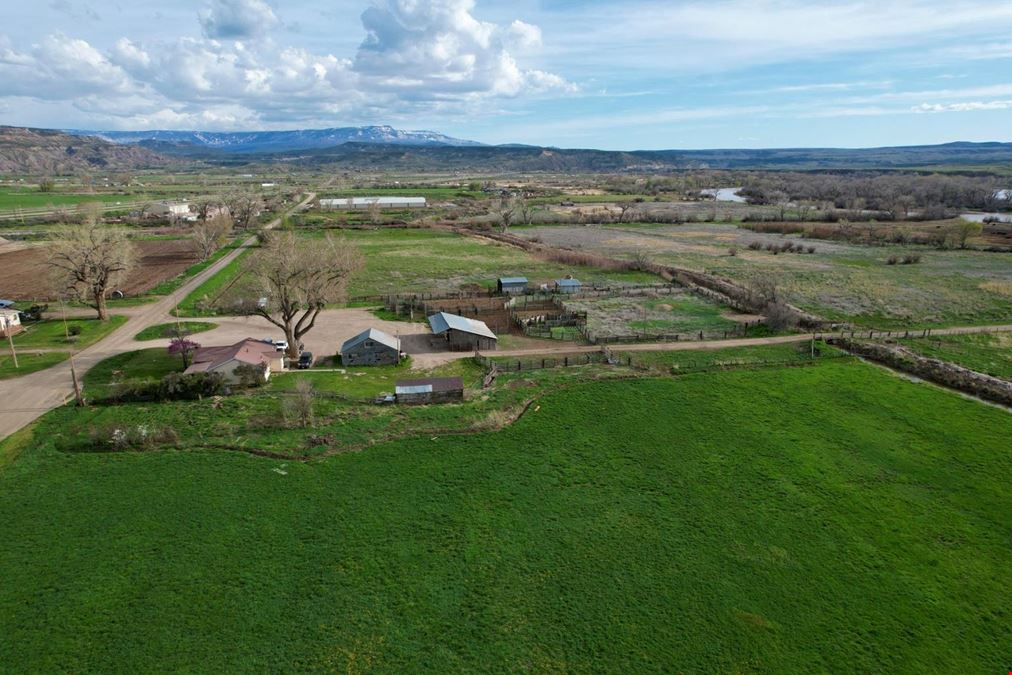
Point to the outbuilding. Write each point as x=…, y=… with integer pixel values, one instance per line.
x=568, y=286
x=228, y=359
x=511, y=285
x=462, y=334
x=371, y=348
x=356, y=203
x=431, y=390
x=10, y=322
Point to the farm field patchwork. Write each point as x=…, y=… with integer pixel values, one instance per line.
x=769, y=520
x=840, y=281
x=23, y=273
x=402, y=261
x=989, y=353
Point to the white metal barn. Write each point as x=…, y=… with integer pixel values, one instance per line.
x=379, y=202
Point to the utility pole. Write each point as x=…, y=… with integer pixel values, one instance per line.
x=78, y=396
x=10, y=340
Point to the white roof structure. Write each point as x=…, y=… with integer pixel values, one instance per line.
x=443, y=322
x=375, y=335
x=365, y=202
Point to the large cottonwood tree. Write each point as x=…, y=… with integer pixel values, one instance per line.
x=90, y=260
x=296, y=277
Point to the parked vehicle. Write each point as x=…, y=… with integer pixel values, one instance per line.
x=305, y=361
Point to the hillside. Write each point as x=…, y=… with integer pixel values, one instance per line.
x=43, y=151
x=526, y=158
x=281, y=141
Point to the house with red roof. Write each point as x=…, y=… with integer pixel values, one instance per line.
x=226, y=360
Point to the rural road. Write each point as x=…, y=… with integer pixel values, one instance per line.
x=24, y=399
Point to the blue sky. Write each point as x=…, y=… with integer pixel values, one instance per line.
x=605, y=74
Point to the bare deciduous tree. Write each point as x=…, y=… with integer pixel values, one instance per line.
x=299, y=277
x=505, y=211
x=89, y=260
x=206, y=207
x=244, y=208
x=210, y=235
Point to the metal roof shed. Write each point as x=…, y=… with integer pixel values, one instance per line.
x=461, y=333
x=511, y=285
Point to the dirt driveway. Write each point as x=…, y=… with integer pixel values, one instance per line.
x=332, y=328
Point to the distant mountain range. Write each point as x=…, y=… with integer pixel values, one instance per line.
x=42, y=151
x=278, y=141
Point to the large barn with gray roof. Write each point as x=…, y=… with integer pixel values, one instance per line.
x=462, y=334
x=371, y=348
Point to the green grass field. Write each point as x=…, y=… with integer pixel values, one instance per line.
x=165, y=330
x=989, y=353
x=678, y=312
x=52, y=334
x=776, y=520
x=28, y=362
x=401, y=261
x=29, y=199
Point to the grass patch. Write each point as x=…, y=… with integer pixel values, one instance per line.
x=200, y=301
x=772, y=520
x=166, y=330
x=139, y=367
x=989, y=353
x=28, y=363
x=52, y=334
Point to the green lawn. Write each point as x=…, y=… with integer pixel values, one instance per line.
x=166, y=330
x=28, y=362
x=776, y=520
x=52, y=334
x=989, y=353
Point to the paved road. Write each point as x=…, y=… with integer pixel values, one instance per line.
x=24, y=399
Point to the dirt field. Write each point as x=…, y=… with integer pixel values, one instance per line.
x=23, y=273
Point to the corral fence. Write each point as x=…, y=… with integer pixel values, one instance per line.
x=806, y=355
x=739, y=331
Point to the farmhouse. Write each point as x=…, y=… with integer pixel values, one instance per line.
x=371, y=348
x=511, y=285
x=432, y=390
x=10, y=322
x=568, y=286
x=169, y=210
x=462, y=334
x=378, y=202
x=226, y=360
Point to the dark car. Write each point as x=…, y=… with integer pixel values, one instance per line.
x=305, y=361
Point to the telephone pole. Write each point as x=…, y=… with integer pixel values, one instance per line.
x=10, y=340
x=78, y=396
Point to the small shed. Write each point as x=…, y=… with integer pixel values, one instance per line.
x=10, y=322
x=568, y=286
x=371, y=348
x=431, y=390
x=462, y=334
x=511, y=285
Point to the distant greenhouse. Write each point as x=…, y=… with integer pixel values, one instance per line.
x=369, y=202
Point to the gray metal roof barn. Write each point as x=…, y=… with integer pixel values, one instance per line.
x=369, y=202
x=371, y=348
x=461, y=333
x=511, y=285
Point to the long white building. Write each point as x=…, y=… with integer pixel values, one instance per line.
x=369, y=202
